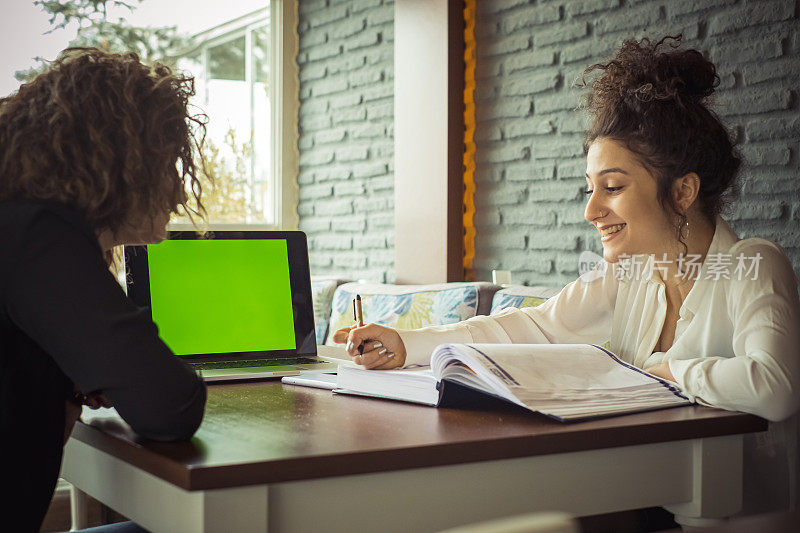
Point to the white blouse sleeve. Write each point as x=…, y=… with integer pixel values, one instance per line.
x=581, y=313
x=763, y=377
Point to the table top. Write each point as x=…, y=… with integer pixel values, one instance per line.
x=268, y=432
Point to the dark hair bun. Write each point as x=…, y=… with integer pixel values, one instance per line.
x=645, y=71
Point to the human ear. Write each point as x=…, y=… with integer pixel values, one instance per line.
x=685, y=191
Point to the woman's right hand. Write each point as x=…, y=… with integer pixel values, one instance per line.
x=383, y=347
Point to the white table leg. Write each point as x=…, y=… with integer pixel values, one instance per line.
x=78, y=508
x=716, y=482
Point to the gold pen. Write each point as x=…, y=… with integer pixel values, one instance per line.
x=359, y=316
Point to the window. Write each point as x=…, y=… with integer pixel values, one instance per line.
x=241, y=83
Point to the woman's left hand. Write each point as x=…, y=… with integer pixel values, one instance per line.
x=661, y=370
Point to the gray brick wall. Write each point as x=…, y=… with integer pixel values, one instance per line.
x=346, y=63
x=530, y=163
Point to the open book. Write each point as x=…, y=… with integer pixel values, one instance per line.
x=564, y=381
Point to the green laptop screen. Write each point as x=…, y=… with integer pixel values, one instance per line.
x=221, y=296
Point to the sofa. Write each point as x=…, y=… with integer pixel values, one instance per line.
x=414, y=306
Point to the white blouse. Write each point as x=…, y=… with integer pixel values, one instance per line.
x=736, y=345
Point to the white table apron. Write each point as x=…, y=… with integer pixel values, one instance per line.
x=697, y=479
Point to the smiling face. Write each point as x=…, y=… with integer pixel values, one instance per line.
x=621, y=192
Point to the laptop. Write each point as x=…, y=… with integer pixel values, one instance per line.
x=233, y=304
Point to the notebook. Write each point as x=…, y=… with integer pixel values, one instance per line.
x=567, y=382
x=233, y=304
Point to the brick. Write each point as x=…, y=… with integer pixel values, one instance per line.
x=758, y=155
x=313, y=72
x=331, y=173
x=531, y=16
x=369, y=242
x=319, y=260
x=358, y=6
x=557, y=102
x=347, y=99
x=317, y=157
x=382, y=184
x=785, y=67
x=339, y=206
x=314, y=122
x=744, y=50
x=310, y=192
x=529, y=59
x=751, y=15
x=312, y=38
x=347, y=28
x=378, y=92
x=751, y=101
x=567, y=264
x=504, y=108
x=530, y=84
x=305, y=142
x=634, y=17
x=381, y=258
x=315, y=225
x=496, y=6
x=507, y=195
x=528, y=126
x=324, y=51
x=379, y=17
x=320, y=17
x=555, y=147
x=305, y=208
x=553, y=191
x=313, y=107
x=362, y=40
x=383, y=220
x=381, y=54
x=344, y=116
x=572, y=168
x=582, y=7
x=329, y=136
x=356, y=223
x=333, y=242
x=354, y=188
x=571, y=215
x=528, y=215
x=305, y=177
x=525, y=263
x=503, y=152
x=573, y=123
x=505, y=46
x=760, y=211
x=366, y=131
x=684, y=7
x=383, y=110
x=506, y=239
x=373, y=203
x=488, y=133
x=560, y=33
x=487, y=216
x=352, y=153
x=368, y=170
x=350, y=261
x=552, y=240
x=308, y=6
x=773, y=128
x=531, y=171
x=365, y=76
x=328, y=86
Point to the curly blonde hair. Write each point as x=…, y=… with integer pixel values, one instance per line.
x=105, y=134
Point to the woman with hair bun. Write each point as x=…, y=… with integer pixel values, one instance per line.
x=660, y=170
x=95, y=152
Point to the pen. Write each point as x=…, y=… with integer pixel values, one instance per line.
x=359, y=318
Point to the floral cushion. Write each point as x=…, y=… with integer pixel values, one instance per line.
x=322, y=290
x=521, y=296
x=407, y=306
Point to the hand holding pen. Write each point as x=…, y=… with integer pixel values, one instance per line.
x=372, y=346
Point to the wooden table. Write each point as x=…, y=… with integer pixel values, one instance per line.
x=283, y=458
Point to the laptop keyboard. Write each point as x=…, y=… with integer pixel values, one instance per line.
x=255, y=362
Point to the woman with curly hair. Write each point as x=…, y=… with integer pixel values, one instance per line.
x=95, y=152
x=660, y=169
